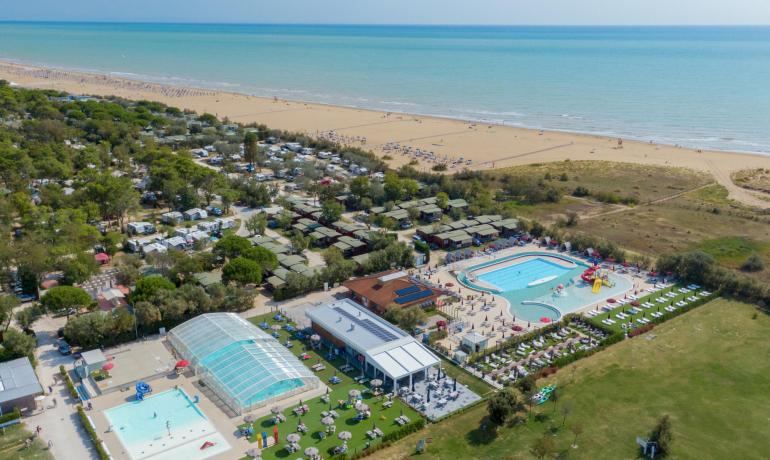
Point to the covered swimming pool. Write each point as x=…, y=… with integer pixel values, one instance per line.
x=538, y=285
x=245, y=366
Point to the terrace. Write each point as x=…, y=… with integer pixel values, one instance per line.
x=383, y=411
x=642, y=308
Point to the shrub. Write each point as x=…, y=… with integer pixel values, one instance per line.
x=68, y=381
x=641, y=330
x=753, y=264
x=13, y=415
x=92, y=434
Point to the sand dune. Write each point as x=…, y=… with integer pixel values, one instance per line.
x=438, y=139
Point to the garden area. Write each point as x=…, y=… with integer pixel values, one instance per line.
x=696, y=368
x=379, y=426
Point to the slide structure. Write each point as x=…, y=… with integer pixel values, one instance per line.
x=142, y=389
x=597, y=285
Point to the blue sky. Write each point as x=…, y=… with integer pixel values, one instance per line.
x=582, y=12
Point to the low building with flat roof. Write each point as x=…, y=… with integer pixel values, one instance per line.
x=19, y=385
x=377, y=292
x=371, y=343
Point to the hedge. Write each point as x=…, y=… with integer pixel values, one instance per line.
x=387, y=440
x=13, y=415
x=92, y=434
x=68, y=381
x=517, y=339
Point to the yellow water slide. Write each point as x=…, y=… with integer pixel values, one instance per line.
x=597, y=285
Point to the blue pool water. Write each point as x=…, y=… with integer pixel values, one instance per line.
x=142, y=424
x=519, y=276
x=532, y=303
x=248, y=386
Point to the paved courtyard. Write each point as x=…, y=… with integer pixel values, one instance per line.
x=436, y=398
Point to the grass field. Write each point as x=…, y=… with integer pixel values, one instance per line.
x=643, y=182
x=381, y=416
x=698, y=220
x=708, y=369
x=12, y=445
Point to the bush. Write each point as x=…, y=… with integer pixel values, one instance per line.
x=753, y=264
x=70, y=386
x=13, y=415
x=641, y=330
x=92, y=434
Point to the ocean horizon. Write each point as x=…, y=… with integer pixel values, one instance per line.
x=696, y=86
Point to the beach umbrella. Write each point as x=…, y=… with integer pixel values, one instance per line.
x=275, y=410
x=315, y=337
x=108, y=366
x=611, y=300
x=254, y=453
x=182, y=363
x=354, y=393
x=293, y=438
x=328, y=421
x=454, y=385
x=345, y=435
x=276, y=327
x=363, y=407
x=311, y=452
x=251, y=418
x=376, y=383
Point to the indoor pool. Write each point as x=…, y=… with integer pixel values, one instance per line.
x=166, y=425
x=525, y=274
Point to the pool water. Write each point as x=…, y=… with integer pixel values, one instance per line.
x=162, y=426
x=230, y=374
x=519, y=276
x=543, y=300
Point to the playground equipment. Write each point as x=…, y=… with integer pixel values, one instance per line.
x=543, y=395
x=142, y=389
x=596, y=277
x=597, y=286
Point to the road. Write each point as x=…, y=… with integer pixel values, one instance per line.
x=60, y=422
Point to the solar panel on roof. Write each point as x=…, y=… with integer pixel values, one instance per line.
x=368, y=325
x=412, y=297
x=407, y=290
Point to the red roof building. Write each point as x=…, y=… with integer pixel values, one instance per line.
x=377, y=292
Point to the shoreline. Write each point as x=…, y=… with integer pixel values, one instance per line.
x=425, y=138
x=219, y=87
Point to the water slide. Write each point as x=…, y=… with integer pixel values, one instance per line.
x=597, y=285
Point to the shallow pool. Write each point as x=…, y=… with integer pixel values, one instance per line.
x=531, y=287
x=521, y=275
x=163, y=426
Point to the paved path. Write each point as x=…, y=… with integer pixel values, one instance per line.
x=60, y=423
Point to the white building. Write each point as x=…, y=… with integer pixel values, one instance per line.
x=381, y=349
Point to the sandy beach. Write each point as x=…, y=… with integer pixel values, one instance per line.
x=487, y=146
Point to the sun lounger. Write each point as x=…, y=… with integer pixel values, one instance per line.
x=657, y=314
x=692, y=298
x=670, y=295
x=704, y=293
x=670, y=308
x=661, y=300
x=681, y=303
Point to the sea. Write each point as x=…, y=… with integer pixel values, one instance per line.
x=701, y=87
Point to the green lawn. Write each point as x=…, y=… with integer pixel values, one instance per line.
x=709, y=369
x=382, y=417
x=12, y=445
x=645, y=313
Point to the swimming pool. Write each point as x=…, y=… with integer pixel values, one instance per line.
x=261, y=383
x=524, y=274
x=165, y=426
x=529, y=281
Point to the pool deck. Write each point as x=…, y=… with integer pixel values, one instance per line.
x=226, y=425
x=499, y=316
